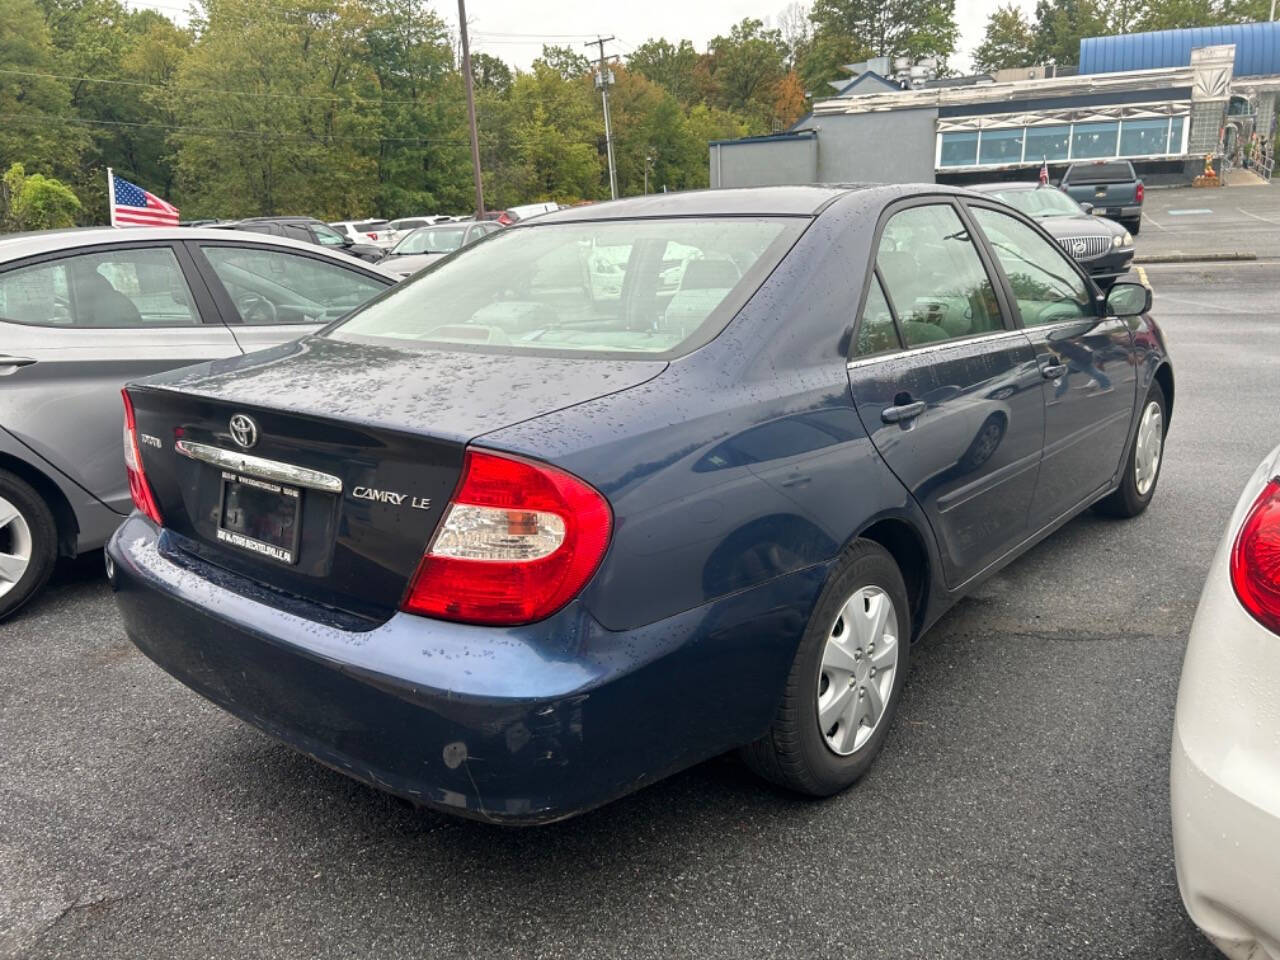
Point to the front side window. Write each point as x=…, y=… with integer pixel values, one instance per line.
x=628, y=287
x=1044, y=283
x=117, y=288
x=327, y=236
x=934, y=277
x=270, y=286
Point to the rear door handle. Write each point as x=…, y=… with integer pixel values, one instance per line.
x=10, y=365
x=903, y=413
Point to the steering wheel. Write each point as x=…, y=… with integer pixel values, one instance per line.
x=256, y=309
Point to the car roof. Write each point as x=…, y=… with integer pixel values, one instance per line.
x=1008, y=185
x=19, y=245
x=796, y=200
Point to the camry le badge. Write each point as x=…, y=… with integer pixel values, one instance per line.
x=243, y=430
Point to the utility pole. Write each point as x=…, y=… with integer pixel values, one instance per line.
x=603, y=79
x=471, y=107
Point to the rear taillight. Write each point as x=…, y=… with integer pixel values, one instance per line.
x=139, y=489
x=504, y=218
x=517, y=542
x=1255, y=558
x=1141, y=191
x=372, y=236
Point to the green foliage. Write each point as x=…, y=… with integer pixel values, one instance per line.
x=567, y=62
x=672, y=66
x=1007, y=42
x=746, y=67
x=889, y=28
x=36, y=202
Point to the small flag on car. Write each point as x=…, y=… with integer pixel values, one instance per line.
x=131, y=206
x=1044, y=171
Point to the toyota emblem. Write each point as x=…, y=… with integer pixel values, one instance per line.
x=243, y=430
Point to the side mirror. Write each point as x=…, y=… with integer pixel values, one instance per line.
x=1128, y=299
x=1086, y=206
x=347, y=241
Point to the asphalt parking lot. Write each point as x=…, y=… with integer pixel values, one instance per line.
x=1020, y=807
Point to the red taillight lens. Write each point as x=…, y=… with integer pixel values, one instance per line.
x=505, y=219
x=1255, y=558
x=139, y=489
x=517, y=542
x=1141, y=192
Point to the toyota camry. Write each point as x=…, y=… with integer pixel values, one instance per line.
x=511, y=541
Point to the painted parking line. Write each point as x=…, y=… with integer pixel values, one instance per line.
x=1142, y=275
x=1274, y=223
x=1147, y=217
x=1189, y=213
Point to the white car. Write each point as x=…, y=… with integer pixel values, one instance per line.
x=366, y=231
x=1225, y=778
x=397, y=230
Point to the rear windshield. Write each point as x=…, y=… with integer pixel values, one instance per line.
x=647, y=287
x=1100, y=173
x=431, y=240
x=365, y=226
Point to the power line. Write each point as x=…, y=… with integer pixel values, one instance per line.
x=376, y=101
x=224, y=131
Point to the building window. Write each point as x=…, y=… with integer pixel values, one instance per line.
x=1175, y=135
x=1089, y=140
x=1048, y=143
x=1001, y=146
x=959, y=150
x=1143, y=138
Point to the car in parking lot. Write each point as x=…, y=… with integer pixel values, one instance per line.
x=510, y=543
x=376, y=232
x=426, y=245
x=1111, y=187
x=1103, y=247
x=308, y=230
x=83, y=311
x=1226, y=768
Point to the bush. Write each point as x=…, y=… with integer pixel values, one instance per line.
x=37, y=202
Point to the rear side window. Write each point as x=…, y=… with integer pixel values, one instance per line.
x=644, y=287
x=117, y=288
x=876, y=333
x=270, y=286
x=933, y=277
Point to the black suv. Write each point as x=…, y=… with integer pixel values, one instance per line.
x=308, y=230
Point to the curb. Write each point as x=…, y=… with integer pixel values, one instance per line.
x=1194, y=257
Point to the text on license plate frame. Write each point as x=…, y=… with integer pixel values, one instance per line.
x=272, y=551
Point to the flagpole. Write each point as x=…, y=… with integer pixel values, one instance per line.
x=111, y=196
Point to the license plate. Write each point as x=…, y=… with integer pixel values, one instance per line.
x=260, y=516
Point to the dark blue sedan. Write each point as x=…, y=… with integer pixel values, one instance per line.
x=632, y=485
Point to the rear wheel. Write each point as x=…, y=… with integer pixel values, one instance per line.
x=844, y=685
x=1142, y=469
x=28, y=542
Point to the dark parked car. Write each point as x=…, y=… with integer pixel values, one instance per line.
x=511, y=544
x=1110, y=186
x=308, y=230
x=1101, y=246
x=83, y=311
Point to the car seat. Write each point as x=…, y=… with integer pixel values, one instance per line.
x=99, y=304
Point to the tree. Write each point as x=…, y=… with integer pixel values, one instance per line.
x=789, y=100
x=797, y=32
x=1060, y=26
x=1007, y=42
x=890, y=28
x=671, y=66
x=1169, y=15
x=827, y=54
x=746, y=67
x=38, y=108
x=490, y=74
x=37, y=202
x=566, y=61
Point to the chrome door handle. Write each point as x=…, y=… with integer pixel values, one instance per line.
x=1053, y=371
x=903, y=413
x=10, y=365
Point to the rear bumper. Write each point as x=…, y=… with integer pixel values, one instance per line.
x=524, y=725
x=1225, y=775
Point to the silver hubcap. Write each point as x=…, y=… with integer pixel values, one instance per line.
x=1146, y=460
x=15, y=546
x=859, y=661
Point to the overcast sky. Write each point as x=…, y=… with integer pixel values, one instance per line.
x=516, y=29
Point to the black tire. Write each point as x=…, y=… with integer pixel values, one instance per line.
x=1133, y=226
x=794, y=753
x=42, y=533
x=1126, y=500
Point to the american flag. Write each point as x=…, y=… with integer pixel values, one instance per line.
x=131, y=206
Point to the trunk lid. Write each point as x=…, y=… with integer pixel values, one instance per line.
x=371, y=439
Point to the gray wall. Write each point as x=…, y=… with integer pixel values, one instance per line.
x=764, y=162
x=889, y=147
